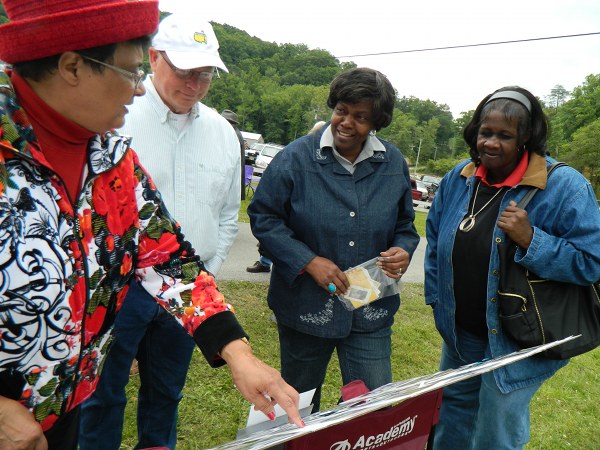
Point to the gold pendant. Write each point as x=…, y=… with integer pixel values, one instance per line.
x=467, y=224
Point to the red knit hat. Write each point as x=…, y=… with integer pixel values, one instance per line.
x=40, y=28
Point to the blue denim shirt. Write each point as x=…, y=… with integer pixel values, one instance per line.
x=565, y=247
x=308, y=205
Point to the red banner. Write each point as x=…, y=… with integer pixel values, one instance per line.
x=405, y=426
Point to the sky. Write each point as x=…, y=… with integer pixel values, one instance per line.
x=459, y=78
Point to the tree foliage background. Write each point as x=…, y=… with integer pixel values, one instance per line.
x=280, y=91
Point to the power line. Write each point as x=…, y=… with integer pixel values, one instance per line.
x=470, y=45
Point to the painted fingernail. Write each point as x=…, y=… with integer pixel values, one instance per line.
x=271, y=415
x=301, y=423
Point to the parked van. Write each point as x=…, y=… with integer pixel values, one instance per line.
x=266, y=154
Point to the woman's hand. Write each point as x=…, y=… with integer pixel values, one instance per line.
x=515, y=223
x=325, y=273
x=18, y=428
x=259, y=383
x=394, y=262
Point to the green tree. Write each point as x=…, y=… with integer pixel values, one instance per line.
x=423, y=111
x=402, y=133
x=583, y=154
x=582, y=109
x=440, y=167
x=238, y=49
x=427, y=132
x=558, y=95
x=279, y=91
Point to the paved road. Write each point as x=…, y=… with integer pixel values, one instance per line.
x=244, y=254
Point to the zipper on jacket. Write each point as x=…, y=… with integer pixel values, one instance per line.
x=517, y=296
x=537, y=311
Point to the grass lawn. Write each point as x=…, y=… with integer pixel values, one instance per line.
x=564, y=413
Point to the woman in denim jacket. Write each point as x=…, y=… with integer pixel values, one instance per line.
x=474, y=208
x=327, y=202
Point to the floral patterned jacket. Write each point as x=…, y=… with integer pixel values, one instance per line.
x=65, y=267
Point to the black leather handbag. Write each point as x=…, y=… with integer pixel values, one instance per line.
x=535, y=311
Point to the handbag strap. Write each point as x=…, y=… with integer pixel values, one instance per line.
x=529, y=195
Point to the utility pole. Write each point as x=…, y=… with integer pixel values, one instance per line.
x=418, y=152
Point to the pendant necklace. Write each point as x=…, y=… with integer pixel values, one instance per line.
x=468, y=222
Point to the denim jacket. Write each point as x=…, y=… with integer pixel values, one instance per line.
x=308, y=205
x=565, y=247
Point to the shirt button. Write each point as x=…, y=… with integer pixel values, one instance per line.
x=351, y=243
x=494, y=331
x=352, y=213
x=495, y=272
x=493, y=299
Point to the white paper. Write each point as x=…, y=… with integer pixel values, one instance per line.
x=255, y=417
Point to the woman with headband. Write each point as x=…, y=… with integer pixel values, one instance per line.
x=474, y=208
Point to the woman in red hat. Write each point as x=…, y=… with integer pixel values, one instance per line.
x=79, y=218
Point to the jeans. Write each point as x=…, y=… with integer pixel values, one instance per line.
x=474, y=413
x=362, y=356
x=265, y=261
x=146, y=331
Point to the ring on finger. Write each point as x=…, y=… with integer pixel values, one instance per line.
x=400, y=271
x=331, y=288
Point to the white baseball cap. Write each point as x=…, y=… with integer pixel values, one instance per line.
x=189, y=43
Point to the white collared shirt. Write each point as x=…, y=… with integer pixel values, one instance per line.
x=371, y=145
x=195, y=163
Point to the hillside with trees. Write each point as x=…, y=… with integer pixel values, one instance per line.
x=280, y=91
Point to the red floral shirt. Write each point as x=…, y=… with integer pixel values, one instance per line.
x=65, y=268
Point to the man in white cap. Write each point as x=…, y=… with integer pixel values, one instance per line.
x=193, y=155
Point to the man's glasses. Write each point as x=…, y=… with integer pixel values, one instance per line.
x=135, y=77
x=188, y=74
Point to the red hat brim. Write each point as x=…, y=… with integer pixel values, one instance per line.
x=26, y=40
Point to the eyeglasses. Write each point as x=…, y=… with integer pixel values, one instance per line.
x=135, y=77
x=188, y=74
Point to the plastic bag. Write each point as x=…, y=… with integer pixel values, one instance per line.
x=368, y=283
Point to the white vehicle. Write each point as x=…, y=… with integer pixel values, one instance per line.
x=252, y=151
x=422, y=188
x=266, y=154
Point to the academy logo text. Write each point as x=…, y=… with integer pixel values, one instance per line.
x=378, y=440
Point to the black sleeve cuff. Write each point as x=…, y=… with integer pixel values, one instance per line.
x=216, y=332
